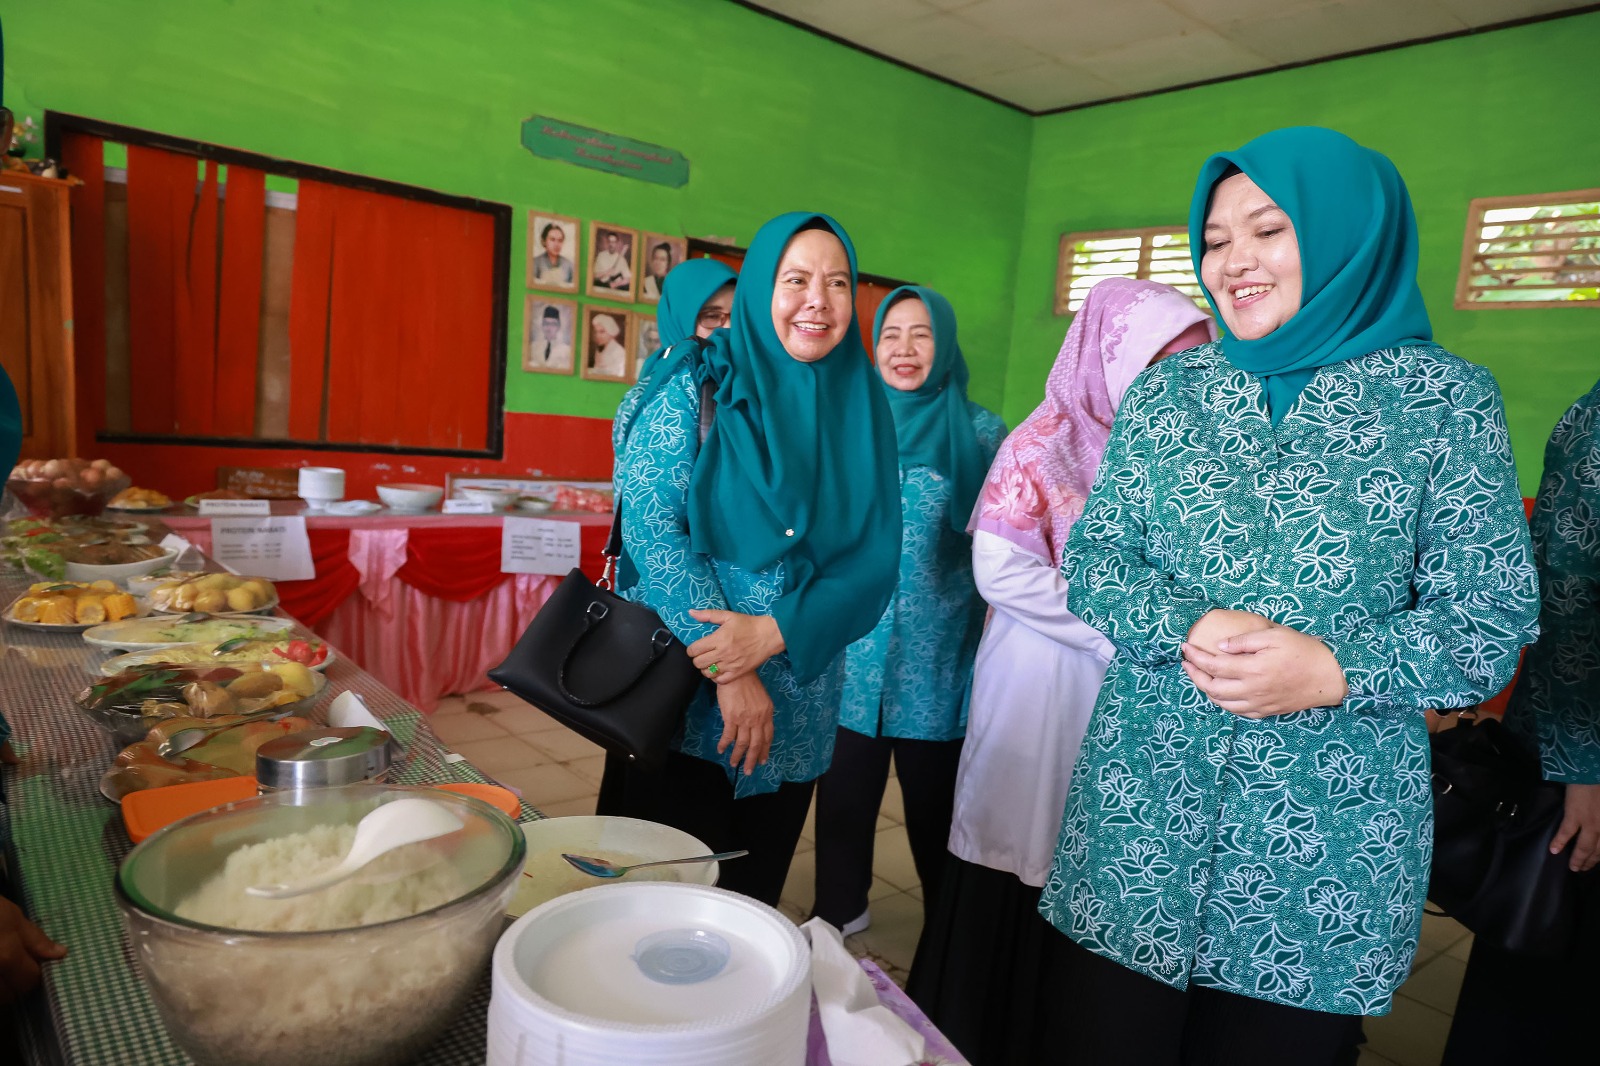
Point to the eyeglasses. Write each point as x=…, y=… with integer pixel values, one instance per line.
x=714, y=318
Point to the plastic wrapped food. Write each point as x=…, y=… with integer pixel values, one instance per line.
x=132, y=702
x=229, y=753
x=214, y=594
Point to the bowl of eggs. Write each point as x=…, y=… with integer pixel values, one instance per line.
x=51, y=488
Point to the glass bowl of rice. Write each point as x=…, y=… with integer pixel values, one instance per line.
x=367, y=972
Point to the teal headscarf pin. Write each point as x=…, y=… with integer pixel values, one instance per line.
x=1357, y=234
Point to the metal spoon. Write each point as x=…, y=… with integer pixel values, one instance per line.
x=393, y=825
x=601, y=868
x=184, y=739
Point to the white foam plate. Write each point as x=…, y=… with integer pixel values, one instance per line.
x=569, y=963
x=624, y=840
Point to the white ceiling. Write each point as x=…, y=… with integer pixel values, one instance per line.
x=1045, y=54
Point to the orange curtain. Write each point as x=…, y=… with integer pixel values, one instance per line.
x=160, y=202
x=84, y=159
x=244, y=221
x=400, y=319
x=195, y=312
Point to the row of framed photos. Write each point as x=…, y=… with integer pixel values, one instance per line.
x=604, y=343
x=623, y=264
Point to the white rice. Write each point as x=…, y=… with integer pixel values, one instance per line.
x=385, y=890
x=361, y=996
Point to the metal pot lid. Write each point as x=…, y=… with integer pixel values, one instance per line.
x=323, y=758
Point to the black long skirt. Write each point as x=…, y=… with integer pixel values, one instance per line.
x=1520, y=1008
x=989, y=969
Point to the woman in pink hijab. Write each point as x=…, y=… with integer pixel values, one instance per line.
x=982, y=968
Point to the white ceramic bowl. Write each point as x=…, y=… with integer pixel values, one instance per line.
x=118, y=571
x=499, y=499
x=623, y=840
x=410, y=496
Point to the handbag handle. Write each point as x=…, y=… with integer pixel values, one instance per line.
x=660, y=642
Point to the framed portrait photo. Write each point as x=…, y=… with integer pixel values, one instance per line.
x=613, y=262
x=608, y=335
x=658, y=253
x=647, y=341
x=550, y=335
x=552, y=252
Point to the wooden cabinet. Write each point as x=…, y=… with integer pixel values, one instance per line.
x=36, y=309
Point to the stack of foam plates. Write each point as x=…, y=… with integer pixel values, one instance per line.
x=669, y=974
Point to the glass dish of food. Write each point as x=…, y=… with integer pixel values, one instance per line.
x=51, y=488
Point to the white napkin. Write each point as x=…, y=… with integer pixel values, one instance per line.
x=349, y=711
x=860, y=1030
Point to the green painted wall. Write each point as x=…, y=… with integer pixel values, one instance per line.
x=1504, y=113
x=936, y=185
x=928, y=179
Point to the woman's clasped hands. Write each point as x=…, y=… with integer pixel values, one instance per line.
x=740, y=643
x=1255, y=668
x=729, y=656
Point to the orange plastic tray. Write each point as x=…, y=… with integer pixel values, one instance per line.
x=149, y=809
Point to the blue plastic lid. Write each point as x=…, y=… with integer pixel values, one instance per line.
x=682, y=956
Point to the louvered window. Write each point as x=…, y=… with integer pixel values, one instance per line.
x=1153, y=253
x=1532, y=251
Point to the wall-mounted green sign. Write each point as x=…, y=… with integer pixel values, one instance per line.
x=550, y=138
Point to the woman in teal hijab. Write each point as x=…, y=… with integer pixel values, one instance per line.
x=1351, y=218
x=767, y=548
x=1300, y=539
x=906, y=682
x=695, y=300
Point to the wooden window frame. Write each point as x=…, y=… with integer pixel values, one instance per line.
x=59, y=123
x=1473, y=236
x=1141, y=271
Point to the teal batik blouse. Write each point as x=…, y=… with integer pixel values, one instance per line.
x=1285, y=859
x=916, y=664
x=1557, y=703
x=652, y=482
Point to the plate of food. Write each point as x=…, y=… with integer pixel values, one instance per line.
x=139, y=500
x=214, y=594
x=313, y=654
x=163, y=631
x=129, y=703
x=70, y=606
x=77, y=548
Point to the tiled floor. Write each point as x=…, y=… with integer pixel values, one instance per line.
x=559, y=773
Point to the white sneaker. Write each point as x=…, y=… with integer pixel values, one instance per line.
x=860, y=923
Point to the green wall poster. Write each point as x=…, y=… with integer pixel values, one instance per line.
x=550, y=138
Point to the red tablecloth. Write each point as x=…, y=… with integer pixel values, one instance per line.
x=421, y=602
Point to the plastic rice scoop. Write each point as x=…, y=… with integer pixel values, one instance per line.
x=391, y=826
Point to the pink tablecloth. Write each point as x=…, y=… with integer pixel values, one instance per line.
x=421, y=647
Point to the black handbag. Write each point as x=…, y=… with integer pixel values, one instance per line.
x=604, y=667
x=607, y=668
x=1494, y=816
